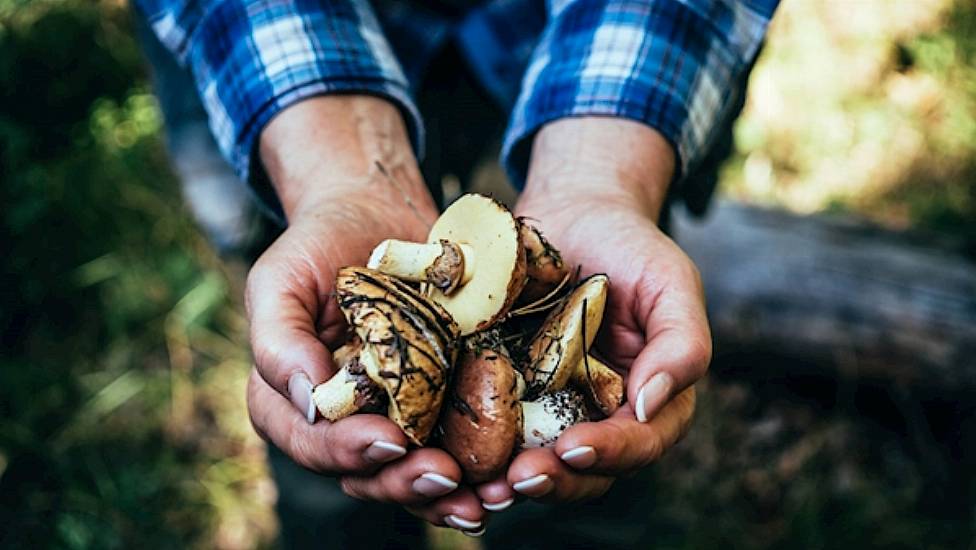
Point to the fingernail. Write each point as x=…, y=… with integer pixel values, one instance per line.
x=580, y=457
x=477, y=533
x=461, y=523
x=497, y=506
x=533, y=485
x=653, y=395
x=300, y=391
x=382, y=451
x=432, y=484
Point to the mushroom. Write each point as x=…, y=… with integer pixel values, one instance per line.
x=559, y=354
x=482, y=416
x=546, y=418
x=473, y=261
x=544, y=266
x=350, y=390
x=408, y=348
x=484, y=422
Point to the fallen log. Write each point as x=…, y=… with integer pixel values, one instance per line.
x=836, y=294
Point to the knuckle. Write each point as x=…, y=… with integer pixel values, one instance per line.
x=618, y=439
x=305, y=452
x=346, y=459
x=688, y=399
x=257, y=420
x=699, y=356
x=302, y=453
x=350, y=488
x=255, y=280
x=653, y=449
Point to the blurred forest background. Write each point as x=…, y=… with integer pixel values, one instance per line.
x=123, y=361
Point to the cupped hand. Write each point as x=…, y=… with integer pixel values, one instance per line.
x=655, y=330
x=295, y=321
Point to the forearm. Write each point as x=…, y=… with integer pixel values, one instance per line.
x=614, y=160
x=336, y=147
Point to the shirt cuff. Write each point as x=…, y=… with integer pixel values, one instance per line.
x=660, y=63
x=251, y=60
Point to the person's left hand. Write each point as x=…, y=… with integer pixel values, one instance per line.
x=654, y=329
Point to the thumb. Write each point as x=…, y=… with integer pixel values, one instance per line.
x=676, y=353
x=288, y=353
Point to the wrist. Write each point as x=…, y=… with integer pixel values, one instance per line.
x=615, y=161
x=339, y=149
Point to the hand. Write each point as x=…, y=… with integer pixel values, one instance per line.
x=595, y=188
x=346, y=176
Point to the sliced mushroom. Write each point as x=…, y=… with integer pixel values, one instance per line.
x=545, y=269
x=559, y=353
x=482, y=418
x=546, y=418
x=408, y=348
x=473, y=261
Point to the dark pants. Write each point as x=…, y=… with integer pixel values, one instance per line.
x=462, y=124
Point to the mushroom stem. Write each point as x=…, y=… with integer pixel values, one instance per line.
x=336, y=397
x=350, y=390
x=444, y=264
x=546, y=418
x=601, y=384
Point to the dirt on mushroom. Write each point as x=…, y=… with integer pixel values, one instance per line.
x=417, y=305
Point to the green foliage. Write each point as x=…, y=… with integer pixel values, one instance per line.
x=870, y=110
x=121, y=343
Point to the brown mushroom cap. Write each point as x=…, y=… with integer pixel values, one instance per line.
x=559, y=353
x=601, y=384
x=482, y=418
x=545, y=268
x=560, y=344
x=408, y=345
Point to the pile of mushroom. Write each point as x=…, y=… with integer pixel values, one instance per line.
x=479, y=333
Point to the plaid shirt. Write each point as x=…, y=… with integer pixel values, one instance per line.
x=676, y=65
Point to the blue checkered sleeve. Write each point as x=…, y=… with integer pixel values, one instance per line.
x=672, y=64
x=252, y=58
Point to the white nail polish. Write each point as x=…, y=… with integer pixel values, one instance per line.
x=639, y=407
x=477, y=533
x=384, y=451
x=300, y=392
x=443, y=481
x=531, y=483
x=497, y=506
x=432, y=485
x=653, y=396
x=461, y=523
x=577, y=452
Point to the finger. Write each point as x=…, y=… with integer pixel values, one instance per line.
x=678, y=347
x=420, y=476
x=539, y=474
x=496, y=495
x=621, y=444
x=287, y=350
x=358, y=444
x=459, y=510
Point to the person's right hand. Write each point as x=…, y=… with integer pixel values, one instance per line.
x=344, y=171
